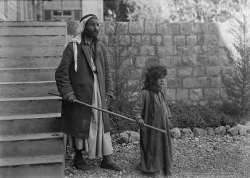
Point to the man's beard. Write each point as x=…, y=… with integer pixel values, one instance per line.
x=91, y=33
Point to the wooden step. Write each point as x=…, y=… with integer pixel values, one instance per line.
x=28, y=124
x=30, y=105
x=28, y=51
x=14, y=41
x=29, y=62
x=31, y=148
x=24, y=30
x=52, y=170
x=27, y=74
x=27, y=89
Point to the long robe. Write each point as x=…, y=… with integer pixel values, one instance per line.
x=155, y=147
x=76, y=118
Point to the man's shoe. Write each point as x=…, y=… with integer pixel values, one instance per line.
x=79, y=162
x=82, y=166
x=113, y=166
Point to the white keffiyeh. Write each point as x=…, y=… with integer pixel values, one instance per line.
x=76, y=39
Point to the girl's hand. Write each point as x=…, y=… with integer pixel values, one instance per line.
x=140, y=122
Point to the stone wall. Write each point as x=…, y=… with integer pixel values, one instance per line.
x=191, y=52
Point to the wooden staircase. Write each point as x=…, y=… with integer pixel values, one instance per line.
x=31, y=141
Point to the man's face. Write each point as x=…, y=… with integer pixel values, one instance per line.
x=92, y=27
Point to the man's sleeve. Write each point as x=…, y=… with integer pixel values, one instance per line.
x=108, y=78
x=62, y=73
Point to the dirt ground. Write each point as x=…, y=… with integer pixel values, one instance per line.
x=211, y=157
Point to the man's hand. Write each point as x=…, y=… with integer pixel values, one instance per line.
x=107, y=99
x=70, y=97
x=140, y=122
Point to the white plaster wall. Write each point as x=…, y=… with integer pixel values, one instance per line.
x=93, y=7
x=2, y=16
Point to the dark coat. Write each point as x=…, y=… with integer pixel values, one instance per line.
x=155, y=147
x=75, y=117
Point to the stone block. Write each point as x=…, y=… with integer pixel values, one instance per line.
x=210, y=131
x=72, y=27
x=172, y=72
x=147, y=50
x=195, y=94
x=213, y=71
x=150, y=28
x=184, y=50
x=234, y=131
x=186, y=133
x=136, y=39
x=102, y=29
x=140, y=61
x=185, y=28
x=170, y=94
x=174, y=82
x=152, y=61
x=173, y=28
x=145, y=39
x=199, y=28
x=182, y=94
x=210, y=49
x=199, y=71
x=185, y=72
x=223, y=60
x=171, y=50
x=103, y=39
x=213, y=28
x=191, y=40
x=176, y=133
x=213, y=60
x=196, y=49
x=165, y=61
x=156, y=39
x=190, y=60
x=221, y=130
x=212, y=93
x=223, y=94
x=198, y=132
x=175, y=61
x=133, y=50
x=161, y=51
x=199, y=82
x=201, y=40
x=179, y=40
x=202, y=60
x=122, y=28
x=124, y=39
x=211, y=39
x=216, y=82
x=162, y=28
x=168, y=40
x=136, y=28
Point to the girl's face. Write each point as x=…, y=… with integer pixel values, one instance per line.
x=160, y=82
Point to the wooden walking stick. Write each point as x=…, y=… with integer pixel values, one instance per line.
x=115, y=114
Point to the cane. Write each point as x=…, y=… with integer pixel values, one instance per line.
x=112, y=113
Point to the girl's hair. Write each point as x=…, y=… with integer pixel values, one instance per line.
x=152, y=74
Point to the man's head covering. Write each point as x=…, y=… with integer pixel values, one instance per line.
x=77, y=37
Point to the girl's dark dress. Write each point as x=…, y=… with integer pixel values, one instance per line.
x=155, y=147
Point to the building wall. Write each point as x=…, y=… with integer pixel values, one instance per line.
x=191, y=52
x=16, y=10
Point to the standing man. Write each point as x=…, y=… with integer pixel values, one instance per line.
x=84, y=74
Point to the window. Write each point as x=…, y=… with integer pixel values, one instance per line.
x=47, y=15
x=77, y=14
x=62, y=15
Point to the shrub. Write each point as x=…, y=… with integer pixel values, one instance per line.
x=186, y=115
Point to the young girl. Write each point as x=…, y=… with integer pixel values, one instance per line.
x=151, y=108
